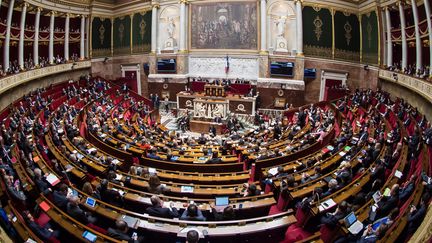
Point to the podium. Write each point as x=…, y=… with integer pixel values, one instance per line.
x=214, y=90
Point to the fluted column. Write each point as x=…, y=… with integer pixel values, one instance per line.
x=263, y=23
x=382, y=33
x=154, y=31
x=389, y=39
x=87, y=36
x=36, y=38
x=51, y=39
x=403, y=35
x=299, y=20
x=7, y=38
x=21, y=38
x=429, y=23
x=419, y=62
x=182, y=25
x=66, y=42
x=82, y=37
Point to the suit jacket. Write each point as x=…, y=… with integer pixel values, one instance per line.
x=60, y=200
x=162, y=212
x=77, y=213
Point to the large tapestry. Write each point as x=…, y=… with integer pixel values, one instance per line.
x=317, y=31
x=224, y=25
x=142, y=32
x=101, y=37
x=347, y=30
x=122, y=38
x=370, y=38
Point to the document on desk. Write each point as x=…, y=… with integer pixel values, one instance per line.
x=52, y=179
x=273, y=171
x=329, y=203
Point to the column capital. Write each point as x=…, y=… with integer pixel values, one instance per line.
x=184, y=2
x=298, y=1
x=39, y=9
x=155, y=5
x=53, y=13
x=26, y=4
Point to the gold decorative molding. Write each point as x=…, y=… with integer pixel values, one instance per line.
x=24, y=77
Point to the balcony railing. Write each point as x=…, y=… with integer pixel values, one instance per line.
x=11, y=81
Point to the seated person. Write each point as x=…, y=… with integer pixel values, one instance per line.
x=371, y=236
x=387, y=203
x=120, y=232
x=407, y=188
x=155, y=185
x=332, y=219
x=215, y=159
x=60, y=196
x=227, y=213
x=251, y=191
x=107, y=195
x=332, y=187
x=74, y=210
x=152, y=154
x=192, y=213
x=192, y=236
x=416, y=215
x=45, y=233
x=306, y=177
x=158, y=210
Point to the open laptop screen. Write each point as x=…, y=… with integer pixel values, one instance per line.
x=222, y=201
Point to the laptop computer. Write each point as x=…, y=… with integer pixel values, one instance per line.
x=91, y=202
x=222, y=201
x=354, y=226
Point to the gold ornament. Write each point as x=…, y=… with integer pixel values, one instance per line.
x=121, y=33
x=101, y=34
x=348, y=29
x=142, y=26
x=318, y=27
x=369, y=32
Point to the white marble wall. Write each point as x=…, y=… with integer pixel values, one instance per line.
x=166, y=12
x=281, y=9
x=214, y=67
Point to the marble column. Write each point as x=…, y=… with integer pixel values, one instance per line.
x=36, y=38
x=429, y=23
x=299, y=21
x=154, y=31
x=389, y=39
x=403, y=35
x=419, y=62
x=382, y=32
x=21, y=37
x=51, y=39
x=82, y=51
x=263, y=23
x=87, y=40
x=182, y=42
x=8, y=35
x=66, y=42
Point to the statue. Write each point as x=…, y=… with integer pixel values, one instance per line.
x=281, y=42
x=171, y=27
x=200, y=109
x=280, y=24
x=218, y=111
x=170, y=43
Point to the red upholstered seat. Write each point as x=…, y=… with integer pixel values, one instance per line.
x=328, y=234
x=43, y=219
x=98, y=229
x=295, y=233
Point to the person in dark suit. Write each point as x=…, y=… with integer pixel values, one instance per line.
x=226, y=214
x=158, y=210
x=212, y=131
x=74, y=210
x=215, y=159
x=45, y=233
x=416, y=215
x=60, y=196
x=120, y=232
x=192, y=213
x=387, y=203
